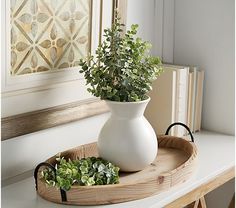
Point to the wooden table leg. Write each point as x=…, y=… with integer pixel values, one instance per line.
x=232, y=202
x=202, y=203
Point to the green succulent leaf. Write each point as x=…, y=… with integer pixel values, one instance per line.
x=85, y=172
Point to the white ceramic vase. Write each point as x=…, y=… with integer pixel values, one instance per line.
x=127, y=139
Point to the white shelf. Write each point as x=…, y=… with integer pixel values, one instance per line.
x=216, y=154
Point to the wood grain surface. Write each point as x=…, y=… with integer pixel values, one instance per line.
x=26, y=123
x=174, y=164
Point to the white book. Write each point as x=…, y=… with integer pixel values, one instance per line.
x=169, y=100
x=198, y=100
x=196, y=94
x=160, y=111
x=182, y=86
x=193, y=71
x=190, y=95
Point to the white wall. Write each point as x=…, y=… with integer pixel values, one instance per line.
x=142, y=14
x=156, y=24
x=204, y=36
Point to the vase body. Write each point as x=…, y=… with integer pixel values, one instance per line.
x=127, y=139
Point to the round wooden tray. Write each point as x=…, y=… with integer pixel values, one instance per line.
x=174, y=164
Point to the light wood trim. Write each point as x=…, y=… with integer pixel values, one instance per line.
x=90, y=26
x=100, y=22
x=114, y=7
x=122, y=9
x=199, y=192
x=42, y=119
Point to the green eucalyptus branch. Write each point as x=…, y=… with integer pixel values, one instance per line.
x=121, y=70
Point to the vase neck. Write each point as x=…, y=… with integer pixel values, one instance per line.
x=127, y=109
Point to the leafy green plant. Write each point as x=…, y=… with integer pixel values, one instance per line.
x=121, y=70
x=84, y=172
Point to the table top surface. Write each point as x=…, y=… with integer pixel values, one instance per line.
x=215, y=153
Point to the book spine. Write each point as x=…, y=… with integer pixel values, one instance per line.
x=173, y=109
x=199, y=99
x=194, y=93
x=177, y=104
x=161, y=108
x=182, y=100
x=190, y=92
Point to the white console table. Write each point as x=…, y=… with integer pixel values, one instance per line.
x=216, y=166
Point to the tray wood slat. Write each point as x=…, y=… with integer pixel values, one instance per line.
x=175, y=163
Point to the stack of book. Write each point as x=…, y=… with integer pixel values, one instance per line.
x=176, y=97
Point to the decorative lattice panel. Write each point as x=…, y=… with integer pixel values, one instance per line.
x=48, y=35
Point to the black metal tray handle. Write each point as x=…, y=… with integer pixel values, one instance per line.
x=181, y=124
x=63, y=192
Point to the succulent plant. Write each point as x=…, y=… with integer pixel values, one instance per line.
x=84, y=172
